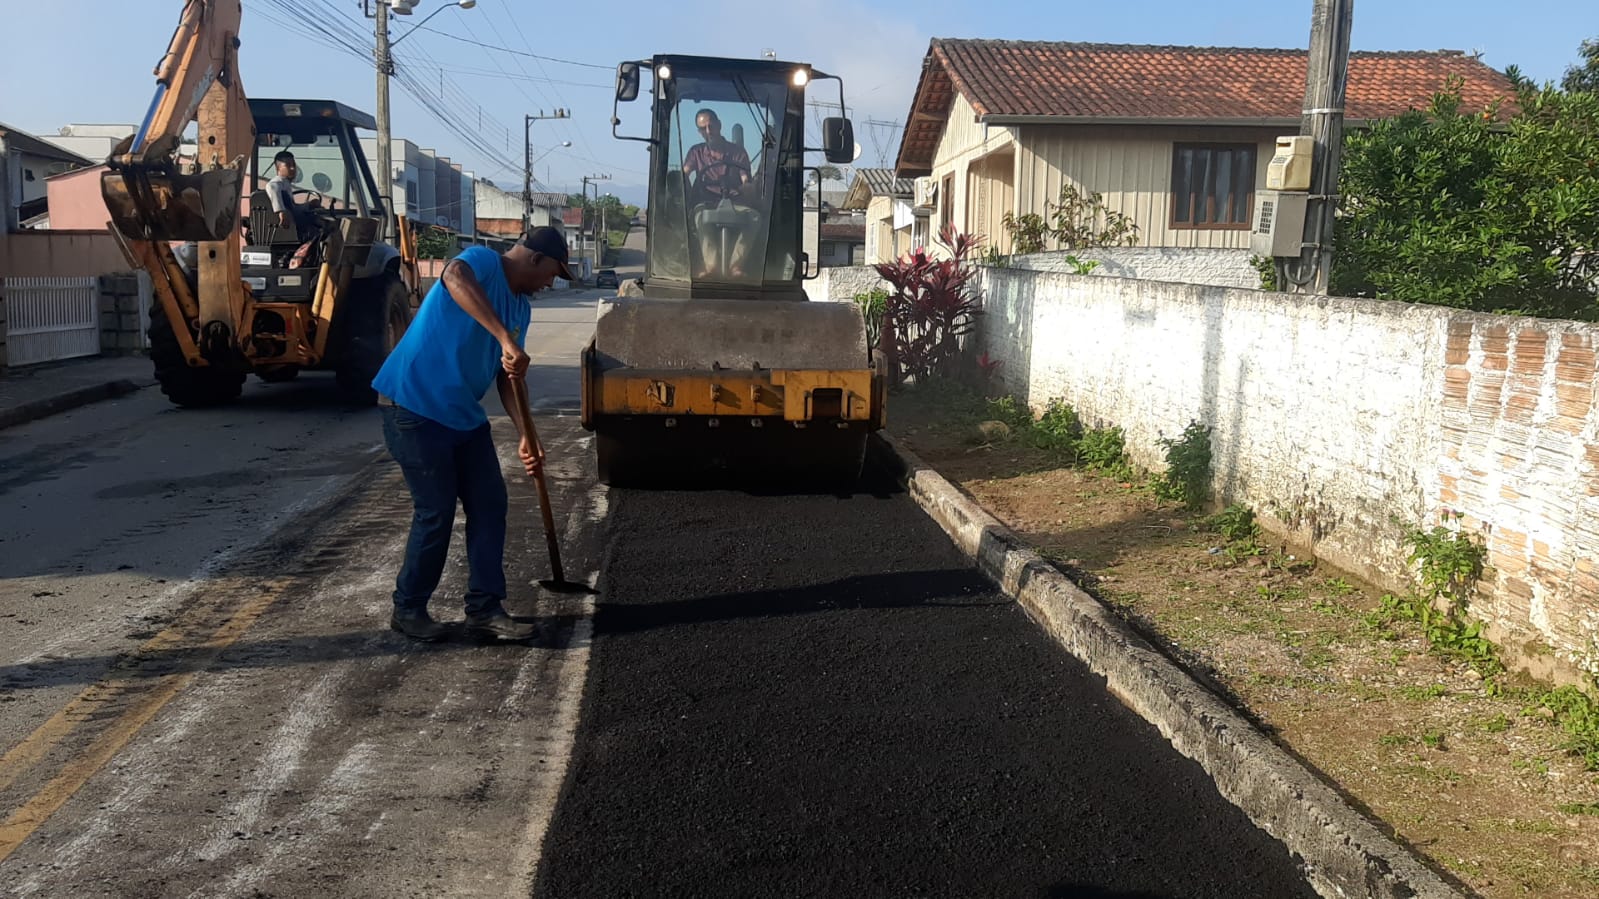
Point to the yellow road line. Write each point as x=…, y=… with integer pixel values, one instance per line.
x=157, y=693
x=36, y=745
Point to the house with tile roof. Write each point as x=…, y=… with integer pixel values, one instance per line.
x=1177, y=138
x=885, y=201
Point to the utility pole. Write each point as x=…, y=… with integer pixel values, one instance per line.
x=1325, y=87
x=385, y=66
x=527, y=162
x=378, y=11
x=594, y=236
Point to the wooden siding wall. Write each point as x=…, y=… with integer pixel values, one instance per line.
x=1131, y=166
x=990, y=193
x=964, y=144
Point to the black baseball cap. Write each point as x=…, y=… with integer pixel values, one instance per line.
x=551, y=243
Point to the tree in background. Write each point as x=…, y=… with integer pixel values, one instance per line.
x=617, y=214
x=435, y=243
x=1584, y=78
x=1476, y=210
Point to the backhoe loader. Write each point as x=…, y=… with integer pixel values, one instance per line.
x=714, y=368
x=322, y=293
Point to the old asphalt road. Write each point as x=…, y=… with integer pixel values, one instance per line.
x=199, y=693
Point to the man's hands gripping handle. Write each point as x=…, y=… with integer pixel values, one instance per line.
x=529, y=450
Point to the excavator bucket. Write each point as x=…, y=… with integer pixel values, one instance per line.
x=152, y=203
x=685, y=392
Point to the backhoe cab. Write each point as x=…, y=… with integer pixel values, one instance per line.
x=324, y=293
x=715, y=367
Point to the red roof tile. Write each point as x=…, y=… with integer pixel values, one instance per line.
x=1004, y=80
x=843, y=231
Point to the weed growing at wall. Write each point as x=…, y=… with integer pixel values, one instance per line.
x=1060, y=432
x=1187, y=476
x=1449, y=563
x=1105, y=450
x=1237, y=526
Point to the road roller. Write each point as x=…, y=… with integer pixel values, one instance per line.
x=715, y=368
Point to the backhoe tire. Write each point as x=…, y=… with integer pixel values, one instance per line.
x=379, y=318
x=195, y=388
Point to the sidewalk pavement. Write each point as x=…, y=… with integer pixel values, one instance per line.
x=35, y=391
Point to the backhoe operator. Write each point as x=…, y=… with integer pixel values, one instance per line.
x=280, y=190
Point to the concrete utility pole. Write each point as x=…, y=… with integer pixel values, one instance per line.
x=527, y=163
x=379, y=12
x=1325, y=88
x=380, y=55
x=594, y=237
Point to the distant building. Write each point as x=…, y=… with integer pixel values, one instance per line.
x=29, y=161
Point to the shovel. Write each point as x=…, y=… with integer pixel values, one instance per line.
x=524, y=416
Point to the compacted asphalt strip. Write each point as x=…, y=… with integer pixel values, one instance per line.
x=818, y=695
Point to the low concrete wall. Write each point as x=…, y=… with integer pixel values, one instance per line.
x=1217, y=267
x=1344, y=422
x=49, y=254
x=840, y=284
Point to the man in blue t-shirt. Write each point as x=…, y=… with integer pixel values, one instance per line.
x=467, y=335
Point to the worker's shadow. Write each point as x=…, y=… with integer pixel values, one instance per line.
x=950, y=588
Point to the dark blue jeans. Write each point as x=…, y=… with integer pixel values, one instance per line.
x=443, y=465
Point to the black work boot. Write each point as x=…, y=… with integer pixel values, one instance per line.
x=500, y=625
x=418, y=625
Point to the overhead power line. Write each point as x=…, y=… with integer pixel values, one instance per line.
x=514, y=52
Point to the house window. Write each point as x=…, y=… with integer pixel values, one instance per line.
x=1212, y=186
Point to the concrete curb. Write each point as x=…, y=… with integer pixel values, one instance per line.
x=1344, y=853
x=62, y=402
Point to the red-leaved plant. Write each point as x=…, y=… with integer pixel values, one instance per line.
x=934, y=304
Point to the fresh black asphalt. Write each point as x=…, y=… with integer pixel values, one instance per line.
x=818, y=696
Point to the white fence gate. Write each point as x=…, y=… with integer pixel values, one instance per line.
x=51, y=318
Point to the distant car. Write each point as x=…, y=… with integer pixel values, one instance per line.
x=606, y=277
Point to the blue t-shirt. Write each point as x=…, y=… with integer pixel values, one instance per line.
x=446, y=361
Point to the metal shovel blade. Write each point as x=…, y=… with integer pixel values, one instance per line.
x=153, y=204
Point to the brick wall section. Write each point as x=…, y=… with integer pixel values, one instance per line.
x=1521, y=462
x=121, y=326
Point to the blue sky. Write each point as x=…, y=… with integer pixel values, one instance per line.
x=91, y=60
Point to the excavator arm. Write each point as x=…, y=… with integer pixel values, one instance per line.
x=154, y=199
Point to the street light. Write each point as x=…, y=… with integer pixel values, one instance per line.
x=378, y=10
x=564, y=143
x=527, y=159
x=527, y=182
x=464, y=4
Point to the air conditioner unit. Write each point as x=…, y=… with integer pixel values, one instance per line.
x=1279, y=226
x=926, y=192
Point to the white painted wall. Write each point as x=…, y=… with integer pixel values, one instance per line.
x=1342, y=422
x=1184, y=265
x=840, y=284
